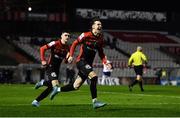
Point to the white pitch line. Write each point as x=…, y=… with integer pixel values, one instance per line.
x=140, y=94
x=15, y=105
x=158, y=103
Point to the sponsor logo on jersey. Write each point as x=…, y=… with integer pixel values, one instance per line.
x=87, y=66
x=53, y=74
x=81, y=36
x=51, y=43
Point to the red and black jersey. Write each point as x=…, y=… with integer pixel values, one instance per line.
x=90, y=44
x=58, y=52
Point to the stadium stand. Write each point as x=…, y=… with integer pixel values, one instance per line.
x=142, y=37
x=118, y=49
x=157, y=58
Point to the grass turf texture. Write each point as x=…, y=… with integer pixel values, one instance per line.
x=155, y=101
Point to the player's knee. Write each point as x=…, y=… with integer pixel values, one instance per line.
x=92, y=74
x=139, y=78
x=76, y=86
x=78, y=82
x=55, y=83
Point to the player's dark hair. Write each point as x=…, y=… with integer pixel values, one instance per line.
x=94, y=20
x=65, y=30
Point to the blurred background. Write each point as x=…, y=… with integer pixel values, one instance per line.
x=25, y=25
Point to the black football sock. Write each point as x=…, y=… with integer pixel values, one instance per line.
x=44, y=94
x=93, y=88
x=68, y=87
x=140, y=84
x=136, y=81
x=47, y=83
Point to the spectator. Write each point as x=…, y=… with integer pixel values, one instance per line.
x=106, y=80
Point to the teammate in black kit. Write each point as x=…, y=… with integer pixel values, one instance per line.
x=59, y=51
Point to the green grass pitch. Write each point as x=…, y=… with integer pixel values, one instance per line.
x=155, y=101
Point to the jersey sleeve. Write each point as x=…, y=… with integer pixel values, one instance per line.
x=76, y=42
x=102, y=55
x=144, y=58
x=44, y=48
x=101, y=51
x=130, y=60
x=73, y=47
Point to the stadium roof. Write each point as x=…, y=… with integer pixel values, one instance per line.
x=124, y=4
x=38, y=5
